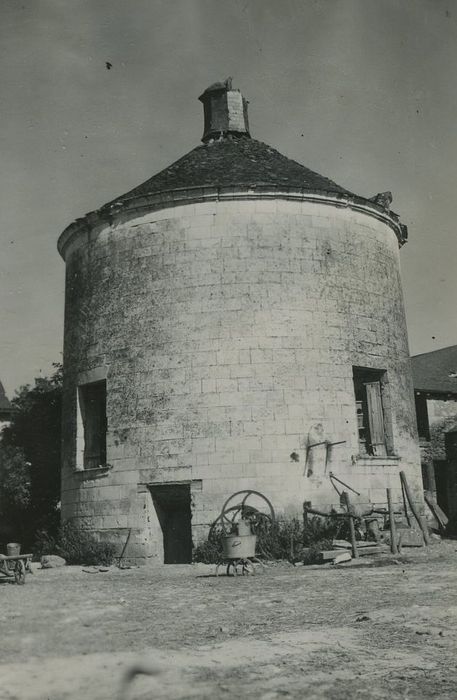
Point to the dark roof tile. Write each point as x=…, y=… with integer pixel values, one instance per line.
x=233, y=161
x=432, y=371
x=4, y=401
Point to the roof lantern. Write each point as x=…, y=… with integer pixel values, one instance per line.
x=225, y=112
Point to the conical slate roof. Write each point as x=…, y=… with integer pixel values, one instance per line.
x=233, y=161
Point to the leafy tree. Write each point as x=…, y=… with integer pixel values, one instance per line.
x=30, y=458
x=15, y=472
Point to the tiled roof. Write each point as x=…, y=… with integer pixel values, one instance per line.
x=432, y=371
x=233, y=161
x=4, y=401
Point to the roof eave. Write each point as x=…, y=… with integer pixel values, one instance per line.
x=259, y=190
x=439, y=394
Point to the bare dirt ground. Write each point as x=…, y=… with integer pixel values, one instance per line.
x=308, y=632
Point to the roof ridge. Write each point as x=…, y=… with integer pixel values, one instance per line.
x=432, y=352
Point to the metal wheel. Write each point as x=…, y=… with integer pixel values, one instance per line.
x=247, y=510
x=231, y=568
x=237, y=507
x=19, y=572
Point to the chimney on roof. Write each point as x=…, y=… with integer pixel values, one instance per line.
x=225, y=110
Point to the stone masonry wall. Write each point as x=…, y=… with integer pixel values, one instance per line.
x=227, y=332
x=442, y=416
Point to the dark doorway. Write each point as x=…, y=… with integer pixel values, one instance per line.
x=172, y=505
x=441, y=481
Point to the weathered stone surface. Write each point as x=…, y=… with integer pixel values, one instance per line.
x=411, y=537
x=52, y=561
x=226, y=331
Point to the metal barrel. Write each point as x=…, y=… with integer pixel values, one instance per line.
x=13, y=549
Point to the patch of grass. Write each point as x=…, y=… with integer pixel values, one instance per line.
x=209, y=552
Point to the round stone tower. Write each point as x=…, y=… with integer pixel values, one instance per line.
x=235, y=322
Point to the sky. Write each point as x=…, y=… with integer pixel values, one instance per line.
x=362, y=91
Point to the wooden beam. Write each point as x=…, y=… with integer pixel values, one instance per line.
x=393, y=529
x=313, y=511
x=345, y=499
x=329, y=554
x=411, y=504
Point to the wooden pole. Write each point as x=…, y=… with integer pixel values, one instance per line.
x=313, y=511
x=306, y=508
x=413, y=509
x=405, y=506
x=393, y=529
x=346, y=501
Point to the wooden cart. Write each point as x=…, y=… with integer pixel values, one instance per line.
x=16, y=566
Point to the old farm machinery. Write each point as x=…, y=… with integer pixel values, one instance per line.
x=15, y=564
x=243, y=516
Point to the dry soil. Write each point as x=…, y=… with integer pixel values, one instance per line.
x=387, y=630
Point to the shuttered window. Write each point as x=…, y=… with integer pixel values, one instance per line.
x=376, y=418
x=371, y=419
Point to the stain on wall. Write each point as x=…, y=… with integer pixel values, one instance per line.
x=227, y=330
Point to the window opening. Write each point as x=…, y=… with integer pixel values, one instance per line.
x=423, y=426
x=92, y=404
x=370, y=408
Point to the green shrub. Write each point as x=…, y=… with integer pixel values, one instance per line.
x=209, y=552
x=324, y=530
x=283, y=539
x=44, y=544
x=312, y=554
x=75, y=546
x=286, y=539
x=30, y=460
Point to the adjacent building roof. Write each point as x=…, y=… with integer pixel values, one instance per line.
x=436, y=371
x=5, y=405
x=233, y=161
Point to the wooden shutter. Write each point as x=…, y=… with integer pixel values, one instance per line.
x=376, y=418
